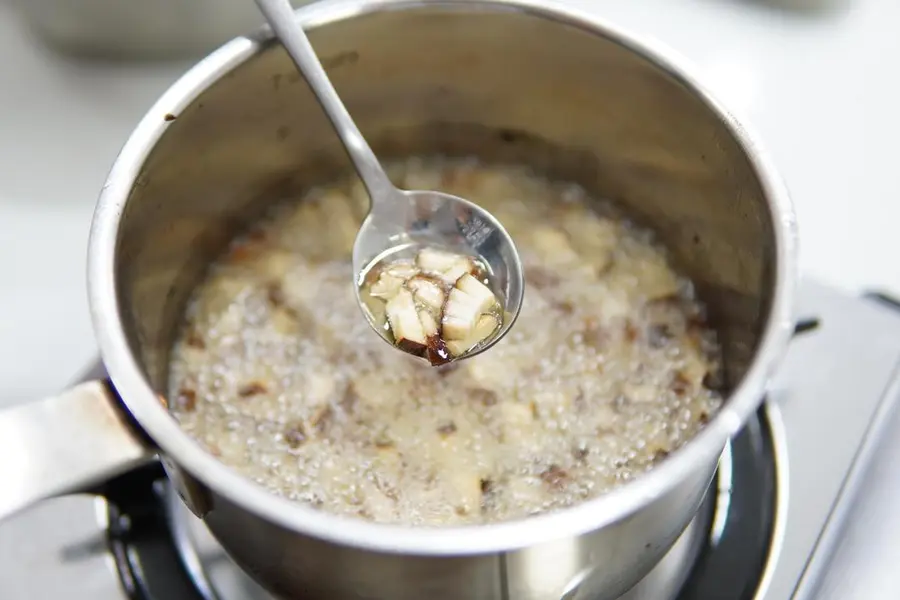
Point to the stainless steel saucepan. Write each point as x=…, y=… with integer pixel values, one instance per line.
x=509, y=80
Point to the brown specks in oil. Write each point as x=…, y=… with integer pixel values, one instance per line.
x=555, y=476
x=482, y=396
x=446, y=429
x=252, y=388
x=186, y=400
x=295, y=435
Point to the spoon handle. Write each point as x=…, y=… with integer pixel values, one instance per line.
x=281, y=17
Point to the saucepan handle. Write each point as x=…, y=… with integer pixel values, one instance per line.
x=66, y=443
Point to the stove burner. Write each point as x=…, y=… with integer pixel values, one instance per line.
x=162, y=552
x=737, y=550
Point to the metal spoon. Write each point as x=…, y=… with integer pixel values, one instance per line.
x=401, y=219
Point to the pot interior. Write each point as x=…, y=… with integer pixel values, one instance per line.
x=500, y=84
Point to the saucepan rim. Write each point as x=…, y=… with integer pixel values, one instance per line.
x=141, y=400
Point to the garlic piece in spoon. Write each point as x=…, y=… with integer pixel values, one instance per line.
x=438, y=306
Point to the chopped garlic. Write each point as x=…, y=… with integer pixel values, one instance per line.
x=435, y=307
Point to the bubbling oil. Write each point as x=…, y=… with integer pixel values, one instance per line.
x=609, y=369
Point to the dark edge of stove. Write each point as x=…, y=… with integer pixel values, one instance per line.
x=731, y=567
x=884, y=299
x=140, y=540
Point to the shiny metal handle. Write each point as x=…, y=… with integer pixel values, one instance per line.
x=64, y=444
x=281, y=17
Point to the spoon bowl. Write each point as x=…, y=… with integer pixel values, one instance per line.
x=424, y=218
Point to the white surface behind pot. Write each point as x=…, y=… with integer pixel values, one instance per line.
x=154, y=28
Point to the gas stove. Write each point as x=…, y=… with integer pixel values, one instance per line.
x=818, y=464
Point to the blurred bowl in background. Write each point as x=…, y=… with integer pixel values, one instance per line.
x=132, y=29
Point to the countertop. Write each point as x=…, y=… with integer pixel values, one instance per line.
x=816, y=85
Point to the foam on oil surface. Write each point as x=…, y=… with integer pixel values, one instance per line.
x=605, y=372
